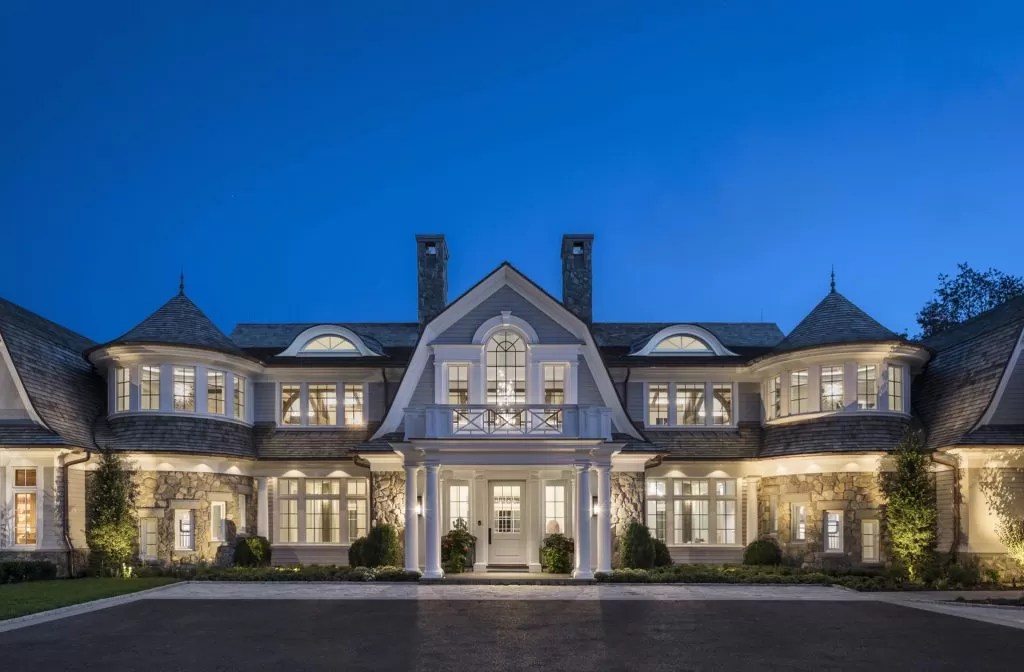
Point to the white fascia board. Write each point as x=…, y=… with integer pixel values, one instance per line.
x=127, y=355
x=5, y=355
x=683, y=330
x=1008, y=372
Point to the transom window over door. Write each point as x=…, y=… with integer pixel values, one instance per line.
x=506, y=369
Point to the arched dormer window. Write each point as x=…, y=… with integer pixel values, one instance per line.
x=329, y=343
x=328, y=340
x=506, y=368
x=683, y=339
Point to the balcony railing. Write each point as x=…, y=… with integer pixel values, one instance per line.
x=520, y=421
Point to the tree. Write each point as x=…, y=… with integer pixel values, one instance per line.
x=971, y=292
x=111, y=527
x=910, y=511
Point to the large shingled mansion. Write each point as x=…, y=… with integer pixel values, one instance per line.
x=510, y=410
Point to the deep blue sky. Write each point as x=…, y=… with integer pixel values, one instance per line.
x=724, y=153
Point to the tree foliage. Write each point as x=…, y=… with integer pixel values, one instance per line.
x=111, y=527
x=910, y=512
x=1001, y=487
x=971, y=292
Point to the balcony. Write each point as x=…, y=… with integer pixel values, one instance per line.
x=483, y=421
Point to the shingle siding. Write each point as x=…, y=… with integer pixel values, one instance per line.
x=853, y=433
x=176, y=434
x=264, y=409
x=506, y=298
x=742, y=442
x=1011, y=407
x=586, y=387
x=749, y=409
x=374, y=402
x=307, y=444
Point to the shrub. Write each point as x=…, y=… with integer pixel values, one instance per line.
x=252, y=552
x=637, y=548
x=624, y=576
x=395, y=574
x=1011, y=534
x=456, y=545
x=662, y=558
x=762, y=552
x=381, y=547
x=355, y=553
x=111, y=527
x=556, y=554
x=18, y=571
x=966, y=573
x=910, y=512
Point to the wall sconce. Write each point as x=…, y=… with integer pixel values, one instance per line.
x=419, y=505
x=595, y=508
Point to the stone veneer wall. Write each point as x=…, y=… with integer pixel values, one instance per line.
x=627, y=499
x=854, y=493
x=388, y=498
x=161, y=492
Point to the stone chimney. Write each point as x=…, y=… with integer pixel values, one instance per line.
x=577, y=274
x=432, y=275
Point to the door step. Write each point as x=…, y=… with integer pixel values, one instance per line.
x=508, y=568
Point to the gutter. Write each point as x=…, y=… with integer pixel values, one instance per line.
x=66, y=507
x=945, y=460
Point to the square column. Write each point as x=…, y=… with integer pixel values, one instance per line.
x=604, y=518
x=583, y=504
x=411, y=519
x=262, y=508
x=432, y=528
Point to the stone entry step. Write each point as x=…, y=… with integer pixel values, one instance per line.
x=507, y=579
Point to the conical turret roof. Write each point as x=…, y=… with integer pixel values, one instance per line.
x=833, y=321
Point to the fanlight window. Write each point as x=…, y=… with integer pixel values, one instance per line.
x=682, y=343
x=506, y=369
x=330, y=343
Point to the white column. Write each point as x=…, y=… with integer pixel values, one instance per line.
x=604, y=518
x=431, y=517
x=533, y=517
x=411, y=519
x=583, y=504
x=751, y=509
x=262, y=508
x=481, y=507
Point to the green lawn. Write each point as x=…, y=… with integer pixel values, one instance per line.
x=19, y=599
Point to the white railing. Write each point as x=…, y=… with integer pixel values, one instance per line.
x=526, y=420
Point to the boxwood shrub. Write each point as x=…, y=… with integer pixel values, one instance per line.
x=18, y=571
x=762, y=552
x=252, y=552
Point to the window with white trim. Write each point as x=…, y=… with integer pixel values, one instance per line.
x=690, y=521
x=239, y=398
x=458, y=384
x=124, y=388
x=357, y=507
x=242, y=522
x=215, y=392
x=291, y=404
x=833, y=531
x=690, y=404
x=149, y=388
x=686, y=404
x=798, y=392
x=722, y=407
x=895, y=388
x=554, y=384
x=330, y=344
x=554, y=509
x=657, y=404
x=798, y=522
x=323, y=510
x=691, y=502
x=353, y=402
x=725, y=509
x=25, y=507
x=184, y=388
x=184, y=532
x=774, y=398
x=288, y=510
x=323, y=403
x=149, y=547
x=831, y=388
x=218, y=521
x=506, y=369
x=681, y=343
x=458, y=506
x=867, y=386
x=869, y=538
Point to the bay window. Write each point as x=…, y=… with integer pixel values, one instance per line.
x=149, y=388
x=798, y=397
x=831, y=388
x=239, y=398
x=215, y=392
x=124, y=388
x=867, y=386
x=25, y=502
x=184, y=388
x=691, y=501
x=895, y=388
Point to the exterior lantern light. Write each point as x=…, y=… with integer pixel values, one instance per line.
x=419, y=505
x=595, y=508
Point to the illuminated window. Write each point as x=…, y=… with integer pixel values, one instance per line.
x=184, y=539
x=506, y=369
x=722, y=409
x=799, y=522
x=867, y=386
x=554, y=509
x=869, y=540
x=25, y=532
x=833, y=531
x=690, y=404
x=655, y=487
x=896, y=388
x=775, y=397
x=554, y=384
x=323, y=404
x=242, y=522
x=150, y=388
x=682, y=344
x=725, y=521
x=656, y=518
x=354, y=404
x=798, y=392
x=291, y=404
x=458, y=507
x=218, y=521
x=458, y=384
x=507, y=501
x=215, y=392
x=239, y=398
x=288, y=514
x=148, y=538
x=323, y=510
x=657, y=404
x=831, y=388
x=356, y=507
x=330, y=343
x=124, y=388
x=184, y=388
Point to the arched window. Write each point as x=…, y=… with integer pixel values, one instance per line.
x=506, y=369
x=682, y=343
x=330, y=343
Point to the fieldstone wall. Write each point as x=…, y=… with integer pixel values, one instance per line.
x=161, y=492
x=627, y=499
x=388, y=498
x=854, y=493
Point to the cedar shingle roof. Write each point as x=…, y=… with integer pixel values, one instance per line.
x=843, y=433
x=175, y=434
x=744, y=441
x=179, y=322
x=308, y=444
x=60, y=383
x=833, y=321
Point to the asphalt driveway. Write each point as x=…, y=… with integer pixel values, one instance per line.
x=467, y=635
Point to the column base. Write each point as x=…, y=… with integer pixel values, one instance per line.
x=433, y=574
x=582, y=574
x=479, y=567
x=534, y=568
x=414, y=568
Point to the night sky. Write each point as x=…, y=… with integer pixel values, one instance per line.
x=725, y=154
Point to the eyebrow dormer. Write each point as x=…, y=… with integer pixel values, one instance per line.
x=683, y=340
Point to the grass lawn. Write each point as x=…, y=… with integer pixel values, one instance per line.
x=18, y=599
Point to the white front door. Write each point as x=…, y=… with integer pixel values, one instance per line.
x=507, y=536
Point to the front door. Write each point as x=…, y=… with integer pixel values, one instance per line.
x=507, y=538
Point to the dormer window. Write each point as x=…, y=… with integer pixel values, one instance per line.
x=329, y=343
x=682, y=344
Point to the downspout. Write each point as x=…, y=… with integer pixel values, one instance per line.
x=363, y=462
x=939, y=458
x=66, y=508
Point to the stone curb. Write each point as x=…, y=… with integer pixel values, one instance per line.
x=81, y=608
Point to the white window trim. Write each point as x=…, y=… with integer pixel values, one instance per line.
x=711, y=498
x=295, y=349
x=339, y=416
x=673, y=419
x=166, y=391
x=824, y=532
x=717, y=349
x=40, y=492
x=177, y=532
x=242, y=504
x=877, y=534
x=850, y=397
x=793, y=538
x=300, y=498
x=222, y=533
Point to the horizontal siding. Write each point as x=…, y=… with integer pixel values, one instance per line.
x=749, y=402
x=586, y=387
x=506, y=298
x=1011, y=407
x=264, y=402
x=76, y=511
x=374, y=402
x=309, y=555
x=944, y=500
x=635, y=401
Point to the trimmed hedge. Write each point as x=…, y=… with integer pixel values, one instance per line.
x=292, y=573
x=19, y=571
x=252, y=552
x=857, y=579
x=762, y=552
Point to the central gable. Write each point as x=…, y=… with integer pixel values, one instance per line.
x=507, y=299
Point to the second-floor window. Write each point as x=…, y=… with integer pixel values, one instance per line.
x=831, y=388
x=554, y=384
x=867, y=386
x=687, y=404
x=323, y=404
x=775, y=397
x=506, y=369
x=239, y=398
x=690, y=404
x=184, y=388
x=896, y=388
x=798, y=397
x=657, y=404
x=149, y=388
x=458, y=384
x=722, y=410
x=354, y=404
x=215, y=392
x=124, y=388
x=291, y=404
